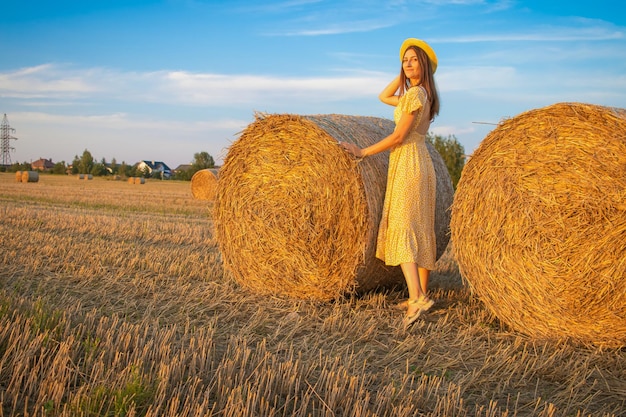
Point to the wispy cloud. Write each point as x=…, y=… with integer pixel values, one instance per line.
x=538, y=36
x=52, y=82
x=43, y=80
x=279, y=7
x=123, y=121
x=336, y=28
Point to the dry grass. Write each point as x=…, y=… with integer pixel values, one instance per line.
x=539, y=223
x=113, y=302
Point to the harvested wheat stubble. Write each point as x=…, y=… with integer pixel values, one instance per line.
x=204, y=184
x=30, y=176
x=295, y=216
x=539, y=223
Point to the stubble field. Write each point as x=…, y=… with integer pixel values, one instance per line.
x=114, y=302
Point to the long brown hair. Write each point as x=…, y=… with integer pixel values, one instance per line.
x=427, y=80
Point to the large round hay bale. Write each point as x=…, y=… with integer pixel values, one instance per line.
x=296, y=216
x=131, y=180
x=140, y=180
x=204, y=184
x=539, y=223
x=18, y=176
x=30, y=176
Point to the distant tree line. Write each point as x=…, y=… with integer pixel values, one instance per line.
x=86, y=164
x=449, y=148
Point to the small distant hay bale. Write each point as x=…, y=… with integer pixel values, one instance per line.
x=30, y=176
x=116, y=177
x=131, y=180
x=140, y=180
x=539, y=223
x=296, y=216
x=204, y=184
x=89, y=177
x=18, y=176
x=81, y=176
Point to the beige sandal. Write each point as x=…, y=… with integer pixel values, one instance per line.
x=410, y=319
x=424, y=304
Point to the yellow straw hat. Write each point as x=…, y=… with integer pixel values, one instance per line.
x=422, y=45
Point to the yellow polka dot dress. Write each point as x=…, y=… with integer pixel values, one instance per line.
x=407, y=226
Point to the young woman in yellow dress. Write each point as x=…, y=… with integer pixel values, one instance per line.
x=406, y=235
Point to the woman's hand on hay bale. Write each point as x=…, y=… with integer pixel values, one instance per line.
x=352, y=149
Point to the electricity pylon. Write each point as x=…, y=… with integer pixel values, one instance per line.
x=5, y=142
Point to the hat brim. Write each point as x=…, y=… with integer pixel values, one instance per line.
x=423, y=46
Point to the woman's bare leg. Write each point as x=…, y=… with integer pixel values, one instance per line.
x=413, y=277
x=424, y=274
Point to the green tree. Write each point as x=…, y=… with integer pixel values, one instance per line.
x=59, y=168
x=124, y=169
x=75, y=165
x=202, y=160
x=24, y=166
x=86, y=163
x=453, y=155
x=98, y=170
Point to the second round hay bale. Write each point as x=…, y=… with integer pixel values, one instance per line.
x=30, y=176
x=296, y=216
x=18, y=176
x=140, y=180
x=539, y=223
x=204, y=184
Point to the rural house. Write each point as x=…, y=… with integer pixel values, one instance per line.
x=155, y=168
x=42, y=164
x=182, y=167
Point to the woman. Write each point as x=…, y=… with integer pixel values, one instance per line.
x=406, y=236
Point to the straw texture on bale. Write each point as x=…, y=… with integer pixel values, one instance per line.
x=204, y=184
x=539, y=223
x=18, y=176
x=30, y=176
x=296, y=216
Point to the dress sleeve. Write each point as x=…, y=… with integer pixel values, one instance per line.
x=414, y=99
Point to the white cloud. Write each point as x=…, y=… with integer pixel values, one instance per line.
x=52, y=82
x=122, y=121
x=43, y=80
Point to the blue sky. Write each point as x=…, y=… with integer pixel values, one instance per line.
x=162, y=80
